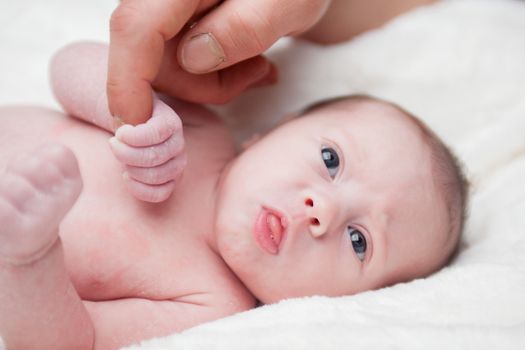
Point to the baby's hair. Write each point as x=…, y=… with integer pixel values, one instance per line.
x=448, y=172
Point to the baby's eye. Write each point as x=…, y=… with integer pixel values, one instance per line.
x=331, y=160
x=358, y=242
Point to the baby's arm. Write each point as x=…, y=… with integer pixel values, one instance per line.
x=78, y=79
x=152, y=153
x=39, y=305
x=345, y=19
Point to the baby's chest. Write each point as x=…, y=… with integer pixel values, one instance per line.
x=112, y=255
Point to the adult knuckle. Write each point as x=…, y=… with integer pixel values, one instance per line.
x=309, y=12
x=249, y=30
x=224, y=98
x=223, y=95
x=311, y=6
x=217, y=99
x=125, y=16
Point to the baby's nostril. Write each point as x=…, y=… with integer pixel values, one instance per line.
x=309, y=202
x=314, y=221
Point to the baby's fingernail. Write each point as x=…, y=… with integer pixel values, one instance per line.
x=201, y=53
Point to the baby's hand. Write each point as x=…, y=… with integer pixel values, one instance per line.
x=153, y=154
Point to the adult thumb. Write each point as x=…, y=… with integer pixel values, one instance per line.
x=240, y=29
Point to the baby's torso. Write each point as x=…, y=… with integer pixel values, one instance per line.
x=118, y=247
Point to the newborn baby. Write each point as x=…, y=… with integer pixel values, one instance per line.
x=354, y=195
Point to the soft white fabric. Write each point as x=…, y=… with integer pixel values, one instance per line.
x=460, y=66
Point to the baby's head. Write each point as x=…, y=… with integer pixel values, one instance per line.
x=355, y=195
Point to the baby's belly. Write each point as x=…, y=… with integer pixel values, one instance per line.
x=115, y=246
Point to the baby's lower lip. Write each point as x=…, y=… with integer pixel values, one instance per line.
x=268, y=230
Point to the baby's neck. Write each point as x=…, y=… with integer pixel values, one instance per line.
x=211, y=238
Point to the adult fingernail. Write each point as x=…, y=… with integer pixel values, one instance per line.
x=202, y=53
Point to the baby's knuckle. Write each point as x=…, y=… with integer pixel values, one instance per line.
x=173, y=124
x=176, y=169
x=176, y=145
x=155, y=133
x=151, y=156
x=117, y=155
x=152, y=176
x=158, y=194
x=51, y=172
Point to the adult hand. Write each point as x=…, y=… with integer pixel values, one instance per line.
x=158, y=44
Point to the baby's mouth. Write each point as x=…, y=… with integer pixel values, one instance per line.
x=269, y=230
x=276, y=228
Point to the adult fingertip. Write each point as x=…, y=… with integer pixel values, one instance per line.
x=131, y=102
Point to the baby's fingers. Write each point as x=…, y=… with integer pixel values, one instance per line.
x=169, y=171
x=150, y=156
x=163, y=123
x=149, y=193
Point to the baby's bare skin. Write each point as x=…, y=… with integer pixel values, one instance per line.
x=305, y=210
x=114, y=245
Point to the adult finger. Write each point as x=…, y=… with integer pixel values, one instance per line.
x=216, y=87
x=239, y=29
x=138, y=32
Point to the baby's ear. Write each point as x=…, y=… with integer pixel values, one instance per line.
x=250, y=141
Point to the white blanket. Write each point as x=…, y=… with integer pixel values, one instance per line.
x=460, y=66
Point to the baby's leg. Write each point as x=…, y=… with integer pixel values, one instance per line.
x=39, y=307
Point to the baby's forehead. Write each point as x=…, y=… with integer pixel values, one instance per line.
x=382, y=135
x=377, y=113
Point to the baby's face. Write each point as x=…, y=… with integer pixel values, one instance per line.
x=333, y=203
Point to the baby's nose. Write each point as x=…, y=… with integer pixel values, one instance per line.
x=320, y=213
